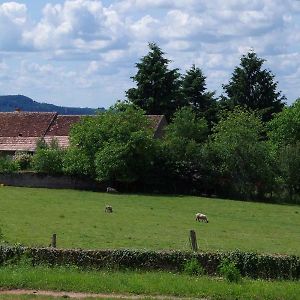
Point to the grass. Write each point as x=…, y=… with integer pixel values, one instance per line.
x=150, y=283
x=30, y=216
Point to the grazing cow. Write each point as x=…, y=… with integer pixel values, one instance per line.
x=108, y=209
x=201, y=218
x=111, y=190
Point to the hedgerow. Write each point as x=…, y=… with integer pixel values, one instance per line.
x=249, y=264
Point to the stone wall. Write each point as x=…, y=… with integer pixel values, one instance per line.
x=30, y=179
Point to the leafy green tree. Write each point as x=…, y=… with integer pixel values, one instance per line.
x=284, y=129
x=77, y=162
x=243, y=159
x=48, y=158
x=117, y=145
x=289, y=166
x=195, y=94
x=185, y=133
x=182, y=143
x=284, y=135
x=253, y=87
x=157, y=86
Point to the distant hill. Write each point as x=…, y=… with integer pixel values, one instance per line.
x=12, y=102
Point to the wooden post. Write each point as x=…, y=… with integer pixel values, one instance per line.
x=53, y=240
x=193, y=240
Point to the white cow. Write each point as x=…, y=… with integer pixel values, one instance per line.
x=201, y=218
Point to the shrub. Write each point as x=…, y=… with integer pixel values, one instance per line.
x=23, y=159
x=193, y=267
x=8, y=165
x=48, y=159
x=229, y=270
x=250, y=264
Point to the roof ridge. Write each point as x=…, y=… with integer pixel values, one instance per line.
x=50, y=124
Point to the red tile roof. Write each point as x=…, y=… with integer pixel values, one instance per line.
x=25, y=124
x=61, y=125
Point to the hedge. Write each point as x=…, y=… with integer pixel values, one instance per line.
x=250, y=264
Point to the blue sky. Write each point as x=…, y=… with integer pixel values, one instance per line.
x=83, y=52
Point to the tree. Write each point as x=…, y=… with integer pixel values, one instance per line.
x=195, y=94
x=289, y=166
x=243, y=159
x=117, y=145
x=48, y=158
x=184, y=133
x=284, y=136
x=157, y=90
x=183, y=141
x=284, y=129
x=253, y=87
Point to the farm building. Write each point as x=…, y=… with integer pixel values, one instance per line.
x=20, y=131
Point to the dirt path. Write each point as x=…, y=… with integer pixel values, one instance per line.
x=75, y=295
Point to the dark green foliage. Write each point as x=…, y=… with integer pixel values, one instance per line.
x=195, y=94
x=157, y=90
x=229, y=270
x=48, y=159
x=243, y=158
x=8, y=165
x=248, y=264
x=193, y=267
x=253, y=87
x=183, y=144
x=284, y=138
x=289, y=169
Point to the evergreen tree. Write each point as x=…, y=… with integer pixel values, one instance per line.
x=253, y=87
x=157, y=90
x=195, y=94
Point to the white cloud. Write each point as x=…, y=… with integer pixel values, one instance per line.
x=86, y=45
x=13, y=21
x=83, y=25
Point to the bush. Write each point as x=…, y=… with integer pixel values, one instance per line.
x=249, y=264
x=229, y=270
x=48, y=159
x=193, y=267
x=23, y=159
x=8, y=165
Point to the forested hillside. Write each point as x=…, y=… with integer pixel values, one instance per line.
x=12, y=102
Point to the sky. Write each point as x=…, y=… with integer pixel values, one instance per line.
x=83, y=52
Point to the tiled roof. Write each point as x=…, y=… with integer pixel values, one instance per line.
x=18, y=143
x=25, y=124
x=61, y=125
x=63, y=141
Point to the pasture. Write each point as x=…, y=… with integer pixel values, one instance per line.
x=30, y=216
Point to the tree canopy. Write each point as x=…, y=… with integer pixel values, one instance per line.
x=157, y=90
x=253, y=87
x=196, y=95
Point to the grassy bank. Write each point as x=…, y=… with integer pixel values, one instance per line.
x=30, y=216
x=151, y=283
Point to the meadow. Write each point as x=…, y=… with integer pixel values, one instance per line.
x=143, y=284
x=31, y=216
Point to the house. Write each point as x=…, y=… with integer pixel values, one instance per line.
x=20, y=131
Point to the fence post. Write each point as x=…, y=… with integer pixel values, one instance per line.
x=53, y=240
x=193, y=240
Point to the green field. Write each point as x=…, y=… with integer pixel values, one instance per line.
x=144, y=283
x=30, y=216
